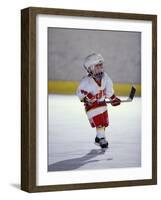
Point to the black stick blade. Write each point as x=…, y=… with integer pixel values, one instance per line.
x=132, y=93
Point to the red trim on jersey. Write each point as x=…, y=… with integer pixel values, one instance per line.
x=94, y=105
x=88, y=95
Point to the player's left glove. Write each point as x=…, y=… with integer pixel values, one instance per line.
x=115, y=101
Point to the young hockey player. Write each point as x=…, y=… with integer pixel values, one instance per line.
x=92, y=91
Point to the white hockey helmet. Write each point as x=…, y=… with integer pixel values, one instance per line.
x=92, y=60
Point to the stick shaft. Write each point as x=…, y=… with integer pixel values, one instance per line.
x=122, y=101
x=130, y=98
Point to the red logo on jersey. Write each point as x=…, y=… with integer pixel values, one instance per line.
x=100, y=94
x=97, y=96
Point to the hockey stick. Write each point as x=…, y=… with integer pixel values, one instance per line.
x=130, y=98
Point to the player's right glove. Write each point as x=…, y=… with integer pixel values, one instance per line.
x=89, y=99
x=115, y=101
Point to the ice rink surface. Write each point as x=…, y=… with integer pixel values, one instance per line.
x=71, y=138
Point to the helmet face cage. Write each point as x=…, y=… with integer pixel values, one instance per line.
x=94, y=65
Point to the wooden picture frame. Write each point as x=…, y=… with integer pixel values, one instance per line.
x=28, y=98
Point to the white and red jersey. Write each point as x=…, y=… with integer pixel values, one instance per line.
x=97, y=93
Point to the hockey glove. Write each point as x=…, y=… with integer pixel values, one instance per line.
x=89, y=99
x=115, y=101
